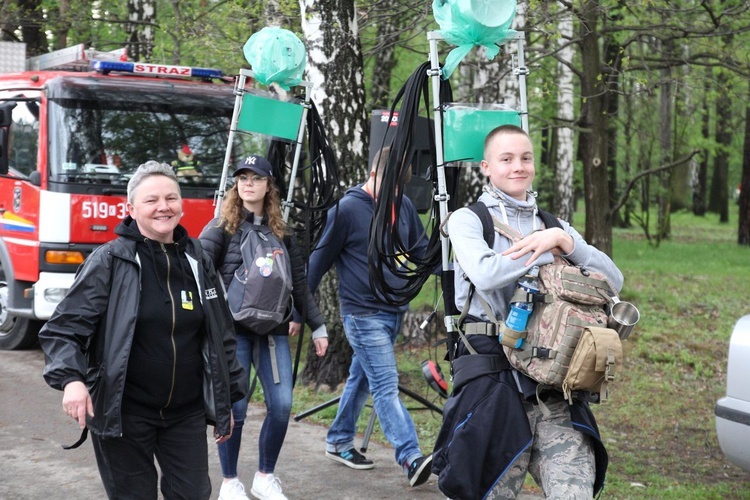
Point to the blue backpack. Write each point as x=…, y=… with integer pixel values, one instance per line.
x=260, y=293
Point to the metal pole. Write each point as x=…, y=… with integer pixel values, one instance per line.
x=297, y=150
x=239, y=91
x=521, y=72
x=442, y=197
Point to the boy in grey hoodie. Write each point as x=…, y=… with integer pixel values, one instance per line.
x=562, y=451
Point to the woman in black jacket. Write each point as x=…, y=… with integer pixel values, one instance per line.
x=143, y=348
x=255, y=198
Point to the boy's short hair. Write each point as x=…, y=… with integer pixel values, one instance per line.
x=503, y=129
x=380, y=161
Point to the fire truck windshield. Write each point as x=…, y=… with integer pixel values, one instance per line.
x=104, y=129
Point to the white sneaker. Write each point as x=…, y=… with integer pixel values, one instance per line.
x=267, y=487
x=232, y=490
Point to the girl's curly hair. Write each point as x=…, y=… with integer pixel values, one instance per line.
x=231, y=215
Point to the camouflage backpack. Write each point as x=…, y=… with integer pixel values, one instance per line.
x=570, y=306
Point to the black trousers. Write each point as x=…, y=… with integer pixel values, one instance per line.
x=126, y=464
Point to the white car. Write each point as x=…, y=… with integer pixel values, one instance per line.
x=733, y=411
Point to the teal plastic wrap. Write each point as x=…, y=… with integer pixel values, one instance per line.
x=276, y=56
x=465, y=127
x=469, y=23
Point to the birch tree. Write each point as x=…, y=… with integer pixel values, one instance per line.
x=564, y=202
x=512, y=90
x=334, y=66
x=481, y=80
x=140, y=28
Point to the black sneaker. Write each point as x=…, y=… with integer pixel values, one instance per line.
x=351, y=458
x=420, y=470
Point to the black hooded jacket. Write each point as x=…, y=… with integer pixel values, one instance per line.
x=103, y=319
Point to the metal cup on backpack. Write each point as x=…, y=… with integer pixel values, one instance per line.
x=623, y=316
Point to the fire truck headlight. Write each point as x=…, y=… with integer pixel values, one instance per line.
x=63, y=257
x=55, y=295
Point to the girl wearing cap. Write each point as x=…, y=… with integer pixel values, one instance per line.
x=254, y=197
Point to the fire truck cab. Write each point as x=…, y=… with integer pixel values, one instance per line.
x=74, y=126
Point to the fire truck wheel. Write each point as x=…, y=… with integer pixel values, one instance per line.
x=15, y=332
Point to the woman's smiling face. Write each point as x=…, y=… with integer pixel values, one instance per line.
x=157, y=207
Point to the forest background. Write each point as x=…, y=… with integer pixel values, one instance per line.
x=640, y=110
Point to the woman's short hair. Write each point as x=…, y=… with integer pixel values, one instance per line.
x=149, y=169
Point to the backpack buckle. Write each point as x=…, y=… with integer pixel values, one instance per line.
x=542, y=352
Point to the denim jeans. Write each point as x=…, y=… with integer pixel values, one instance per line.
x=373, y=370
x=255, y=350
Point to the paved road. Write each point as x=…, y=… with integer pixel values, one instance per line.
x=34, y=466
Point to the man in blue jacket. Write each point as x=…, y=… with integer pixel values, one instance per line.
x=371, y=326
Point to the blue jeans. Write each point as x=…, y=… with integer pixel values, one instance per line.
x=372, y=337
x=256, y=350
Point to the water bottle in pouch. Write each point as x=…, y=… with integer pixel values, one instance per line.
x=519, y=313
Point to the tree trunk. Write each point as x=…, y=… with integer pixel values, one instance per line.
x=388, y=29
x=719, y=195
x=274, y=15
x=743, y=231
x=564, y=204
x=140, y=29
x=62, y=26
x=593, y=137
x=613, y=56
x=482, y=81
x=512, y=96
x=8, y=21
x=486, y=79
x=335, y=68
x=700, y=182
x=665, y=147
x=32, y=32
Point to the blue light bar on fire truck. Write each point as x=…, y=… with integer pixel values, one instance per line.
x=155, y=69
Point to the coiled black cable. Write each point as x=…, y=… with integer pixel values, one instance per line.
x=387, y=252
x=318, y=189
x=316, y=183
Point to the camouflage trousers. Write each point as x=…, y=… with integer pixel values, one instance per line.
x=559, y=458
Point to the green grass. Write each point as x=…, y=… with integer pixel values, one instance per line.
x=659, y=424
x=660, y=427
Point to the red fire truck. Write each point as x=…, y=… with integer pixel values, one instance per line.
x=74, y=126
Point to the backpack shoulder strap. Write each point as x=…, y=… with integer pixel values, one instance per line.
x=481, y=211
x=226, y=238
x=549, y=220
